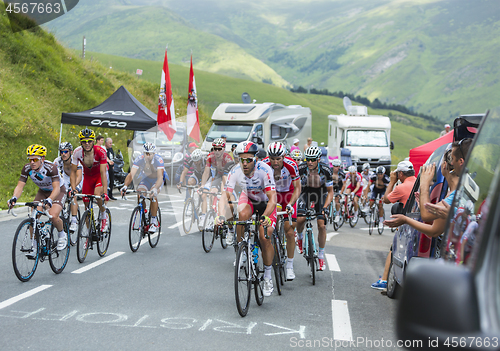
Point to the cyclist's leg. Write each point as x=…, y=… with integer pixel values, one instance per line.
x=245, y=211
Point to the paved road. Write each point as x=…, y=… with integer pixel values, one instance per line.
x=178, y=297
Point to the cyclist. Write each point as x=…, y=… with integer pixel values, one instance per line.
x=338, y=179
x=288, y=188
x=63, y=163
x=51, y=191
x=214, y=170
x=378, y=185
x=148, y=170
x=93, y=158
x=316, y=182
x=296, y=155
x=353, y=185
x=194, y=166
x=366, y=174
x=256, y=180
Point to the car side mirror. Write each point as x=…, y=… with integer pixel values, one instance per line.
x=258, y=140
x=397, y=208
x=392, y=145
x=438, y=303
x=342, y=144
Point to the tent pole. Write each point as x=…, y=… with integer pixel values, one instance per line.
x=60, y=136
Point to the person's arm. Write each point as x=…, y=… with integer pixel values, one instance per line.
x=79, y=176
x=271, y=204
x=223, y=207
x=104, y=180
x=426, y=175
x=19, y=189
x=329, y=197
x=206, y=174
x=159, y=178
x=183, y=175
x=433, y=230
x=73, y=176
x=56, y=189
x=390, y=187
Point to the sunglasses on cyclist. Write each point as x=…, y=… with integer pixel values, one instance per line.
x=311, y=159
x=217, y=149
x=89, y=141
x=34, y=159
x=64, y=152
x=247, y=160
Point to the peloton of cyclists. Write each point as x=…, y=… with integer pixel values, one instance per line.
x=353, y=184
x=288, y=189
x=338, y=178
x=194, y=166
x=94, y=161
x=317, y=187
x=148, y=171
x=377, y=187
x=51, y=191
x=258, y=195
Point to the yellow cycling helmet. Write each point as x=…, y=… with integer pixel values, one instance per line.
x=36, y=150
x=86, y=134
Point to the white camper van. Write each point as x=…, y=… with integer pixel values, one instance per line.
x=368, y=137
x=260, y=123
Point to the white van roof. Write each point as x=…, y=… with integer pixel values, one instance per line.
x=361, y=122
x=245, y=112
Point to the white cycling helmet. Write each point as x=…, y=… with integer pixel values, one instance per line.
x=196, y=155
x=352, y=169
x=246, y=147
x=336, y=163
x=380, y=169
x=149, y=147
x=313, y=152
x=366, y=166
x=297, y=155
x=276, y=149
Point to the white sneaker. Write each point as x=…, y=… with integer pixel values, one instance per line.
x=202, y=219
x=73, y=227
x=290, y=275
x=32, y=252
x=337, y=219
x=268, y=287
x=229, y=237
x=62, y=242
x=381, y=222
x=104, y=223
x=153, y=228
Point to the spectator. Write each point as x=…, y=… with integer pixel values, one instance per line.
x=446, y=130
x=111, y=174
x=308, y=144
x=295, y=145
x=406, y=174
x=224, y=136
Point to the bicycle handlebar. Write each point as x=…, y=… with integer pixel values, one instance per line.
x=282, y=213
x=33, y=205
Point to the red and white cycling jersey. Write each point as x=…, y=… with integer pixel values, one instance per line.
x=289, y=173
x=256, y=186
x=359, y=179
x=217, y=165
x=100, y=158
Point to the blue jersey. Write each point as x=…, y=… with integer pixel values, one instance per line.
x=148, y=169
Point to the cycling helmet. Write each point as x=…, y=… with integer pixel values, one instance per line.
x=246, y=147
x=149, y=147
x=65, y=146
x=196, y=155
x=380, y=169
x=313, y=152
x=219, y=142
x=36, y=150
x=86, y=134
x=352, y=169
x=336, y=163
x=276, y=149
x=236, y=157
x=366, y=166
x=297, y=155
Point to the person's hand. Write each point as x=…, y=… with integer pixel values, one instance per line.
x=266, y=221
x=154, y=192
x=12, y=202
x=179, y=185
x=439, y=210
x=417, y=196
x=289, y=209
x=326, y=211
x=123, y=190
x=426, y=175
x=47, y=202
x=396, y=221
x=394, y=177
x=219, y=220
x=71, y=193
x=105, y=197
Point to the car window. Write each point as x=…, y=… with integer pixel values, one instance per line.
x=469, y=209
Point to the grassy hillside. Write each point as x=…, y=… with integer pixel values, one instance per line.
x=407, y=131
x=39, y=79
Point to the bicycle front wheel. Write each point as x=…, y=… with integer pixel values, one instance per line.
x=73, y=235
x=84, y=233
x=371, y=222
x=258, y=281
x=188, y=215
x=58, y=259
x=242, y=279
x=223, y=233
x=277, y=263
x=135, y=229
x=208, y=234
x=310, y=254
x=105, y=236
x=24, y=264
x=380, y=227
x=353, y=216
x=155, y=237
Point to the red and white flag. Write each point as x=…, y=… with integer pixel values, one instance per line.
x=193, y=119
x=166, y=110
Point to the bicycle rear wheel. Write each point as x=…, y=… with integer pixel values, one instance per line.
x=380, y=227
x=58, y=259
x=223, y=233
x=310, y=255
x=277, y=262
x=188, y=215
x=104, y=237
x=371, y=222
x=242, y=279
x=153, y=238
x=353, y=216
x=24, y=267
x=73, y=235
x=208, y=234
x=135, y=229
x=84, y=233
x=258, y=283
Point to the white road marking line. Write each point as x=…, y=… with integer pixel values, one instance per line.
x=97, y=263
x=22, y=296
x=333, y=265
x=175, y=225
x=341, y=321
x=330, y=235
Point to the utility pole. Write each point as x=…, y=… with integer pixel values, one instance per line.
x=83, y=47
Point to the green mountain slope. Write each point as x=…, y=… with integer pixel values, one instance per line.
x=114, y=27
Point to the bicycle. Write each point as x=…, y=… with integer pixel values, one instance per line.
x=249, y=266
x=89, y=230
x=279, y=245
x=210, y=233
x=45, y=242
x=308, y=242
x=348, y=211
x=140, y=220
x=66, y=218
x=333, y=213
x=191, y=210
x=374, y=218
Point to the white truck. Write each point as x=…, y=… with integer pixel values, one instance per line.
x=261, y=123
x=368, y=137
